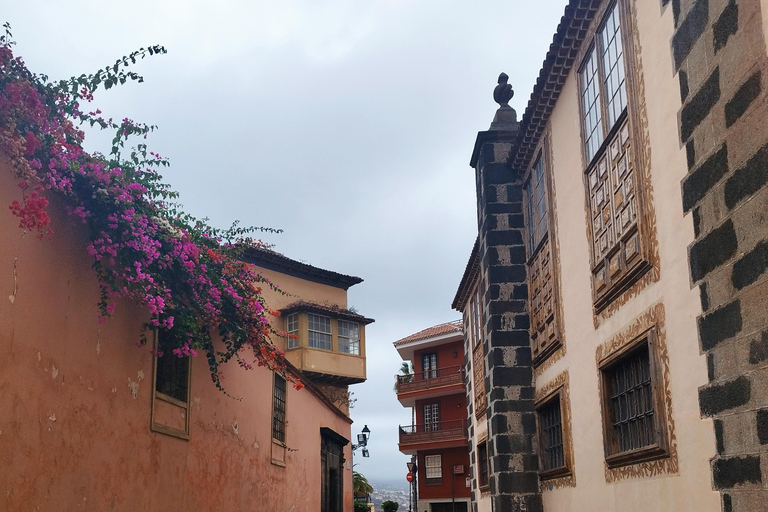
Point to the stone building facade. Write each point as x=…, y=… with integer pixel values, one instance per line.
x=614, y=310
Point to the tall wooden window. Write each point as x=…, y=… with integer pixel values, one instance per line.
x=431, y=417
x=475, y=317
x=633, y=411
x=278, y=409
x=170, y=398
x=482, y=465
x=429, y=365
x=618, y=248
x=541, y=286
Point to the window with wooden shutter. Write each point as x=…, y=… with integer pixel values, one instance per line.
x=542, y=295
x=617, y=234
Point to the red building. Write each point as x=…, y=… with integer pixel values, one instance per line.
x=435, y=392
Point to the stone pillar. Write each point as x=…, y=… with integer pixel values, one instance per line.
x=513, y=471
x=720, y=57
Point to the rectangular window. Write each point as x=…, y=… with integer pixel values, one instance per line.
x=429, y=365
x=478, y=352
x=590, y=99
x=552, y=456
x=536, y=206
x=613, y=66
x=172, y=379
x=319, y=331
x=554, y=443
x=349, y=337
x=611, y=176
x=170, y=399
x=433, y=467
x=542, y=308
x=634, y=429
x=278, y=409
x=482, y=464
x=431, y=417
x=292, y=324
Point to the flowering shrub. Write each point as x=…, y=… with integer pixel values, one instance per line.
x=187, y=274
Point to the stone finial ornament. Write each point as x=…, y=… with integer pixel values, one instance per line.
x=503, y=92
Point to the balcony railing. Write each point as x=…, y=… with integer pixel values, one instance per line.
x=455, y=430
x=430, y=379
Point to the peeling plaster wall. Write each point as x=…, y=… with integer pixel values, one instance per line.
x=75, y=399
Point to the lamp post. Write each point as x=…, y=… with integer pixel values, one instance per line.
x=362, y=441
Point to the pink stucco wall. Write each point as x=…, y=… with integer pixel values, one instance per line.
x=75, y=402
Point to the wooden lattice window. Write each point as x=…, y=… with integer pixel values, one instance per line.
x=633, y=410
x=617, y=236
x=541, y=285
x=552, y=437
x=475, y=328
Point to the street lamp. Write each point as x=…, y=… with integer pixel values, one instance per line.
x=362, y=441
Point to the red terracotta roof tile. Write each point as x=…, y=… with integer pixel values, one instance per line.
x=437, y=330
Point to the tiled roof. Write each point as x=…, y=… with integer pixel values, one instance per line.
x=557, y=65
x=269, y=259
x=328, y=308
x=468, y=279
x=437, y=330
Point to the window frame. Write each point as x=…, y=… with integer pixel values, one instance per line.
x=474, y=312
x=276, y=410
x=660, y=449
x=431, y=371
x=353, y=343
x=158, y=396
x=310, y=330
x=550, y=342
x=483, y=466
x=293, y=318
x=630, y=269
x=558, y=395
x=434, y=413
x=434, y=480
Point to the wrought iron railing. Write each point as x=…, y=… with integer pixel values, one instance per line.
x=434, y=432
x=430, y=379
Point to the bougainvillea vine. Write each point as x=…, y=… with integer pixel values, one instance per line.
x=189, y=276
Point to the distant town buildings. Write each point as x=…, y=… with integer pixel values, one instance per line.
x=435, y=392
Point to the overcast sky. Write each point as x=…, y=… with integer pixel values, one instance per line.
x=347, y=123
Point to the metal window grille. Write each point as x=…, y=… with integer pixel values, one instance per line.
x=553, y=456
x=590, y=97
x=631, y=401
x=349, y=337
x=613, y=66
x=433, y=465
x=319, y=331
x=278, y=409
x=482, y=461
x=293, y=328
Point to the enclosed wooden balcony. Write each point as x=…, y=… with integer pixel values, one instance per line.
x=429, y=383
x=442, y=434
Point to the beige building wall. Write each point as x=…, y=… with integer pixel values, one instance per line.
x=683, y=482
